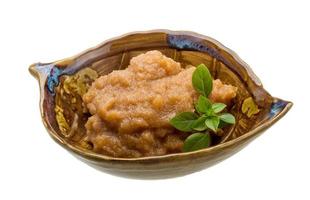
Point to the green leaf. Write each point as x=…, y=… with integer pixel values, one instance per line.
x=196, y=141
x=228, y=118
x=199, y=124
x=202, y=80
x=222, y=124
x=203, y=105
x=213, y=122
x=218, y=107
x=184, y=121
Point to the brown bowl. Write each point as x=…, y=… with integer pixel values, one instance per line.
x=255, y=109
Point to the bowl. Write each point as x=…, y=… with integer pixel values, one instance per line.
x=63, y=82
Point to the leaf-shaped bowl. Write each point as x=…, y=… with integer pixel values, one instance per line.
x=255, y=109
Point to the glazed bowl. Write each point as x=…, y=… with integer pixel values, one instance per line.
x=254, y=108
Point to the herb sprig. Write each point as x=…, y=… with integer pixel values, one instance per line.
x=207, y=117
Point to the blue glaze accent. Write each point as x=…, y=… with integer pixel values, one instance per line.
x=44, y=68
x=53, y=78
x=277, y=107
x=185, y=42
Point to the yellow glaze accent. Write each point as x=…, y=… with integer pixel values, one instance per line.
x=249, y=107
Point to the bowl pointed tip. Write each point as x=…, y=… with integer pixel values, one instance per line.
x=33, y=70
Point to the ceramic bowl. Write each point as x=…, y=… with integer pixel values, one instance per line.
x=254, y=108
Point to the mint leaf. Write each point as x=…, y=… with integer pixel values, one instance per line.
x=203, y=105
x=199, y=124
x=222, y=124
x=196, y=141
x=228, y=118
x=184, y=121
x=218, y=107
x=207, y=116
x=213, y=122
x=202, y=80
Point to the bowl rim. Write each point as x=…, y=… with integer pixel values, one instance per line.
x=98, y=156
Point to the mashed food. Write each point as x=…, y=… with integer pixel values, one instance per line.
x=131, y=108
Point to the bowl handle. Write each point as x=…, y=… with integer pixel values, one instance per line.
x=41, y=72
x=48, y=73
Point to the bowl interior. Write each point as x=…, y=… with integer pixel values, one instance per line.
x=64, y=114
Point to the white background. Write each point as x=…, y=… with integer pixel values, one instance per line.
x=271, y=36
